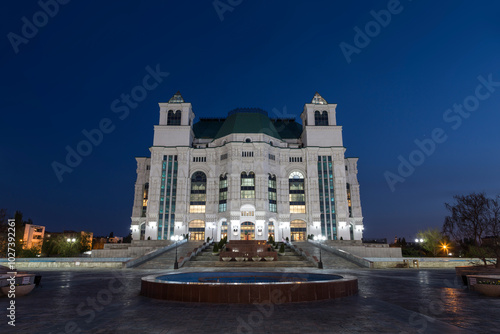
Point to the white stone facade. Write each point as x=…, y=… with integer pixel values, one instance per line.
x=247, y=141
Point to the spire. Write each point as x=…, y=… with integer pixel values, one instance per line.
x=177, y=98
x=317, y=99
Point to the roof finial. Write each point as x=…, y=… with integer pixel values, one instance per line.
x=177, y=98
x=318, y=99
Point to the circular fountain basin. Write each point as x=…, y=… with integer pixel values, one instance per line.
x=248, y=287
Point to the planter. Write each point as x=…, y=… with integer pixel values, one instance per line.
x=463, y=271
x=226, y=259
x=488, y=285
x=215, y=253
x=240, y=259
x=256, y=258
x=21, y=290
x=269, y=258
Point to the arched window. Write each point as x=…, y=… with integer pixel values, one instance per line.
x=297, y=193
x=223, y=193
x=223, y=230
x=271, y=189
x=270, y=229
x=174, y=117
x=248, y=140
x=143, y=231
x=321, y=118
x=198, y=193
x=247, y=231
x=247, y=185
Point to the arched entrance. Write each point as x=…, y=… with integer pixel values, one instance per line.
x=270, y=230
x=298, y=230
x=197, y=230
x=143, y=231
x=223, y=230
x=247, y=231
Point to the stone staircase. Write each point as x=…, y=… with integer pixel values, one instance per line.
x=207, y=260
x=167, y=259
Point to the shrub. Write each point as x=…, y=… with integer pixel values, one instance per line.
x=216, y=248
x=282, y=248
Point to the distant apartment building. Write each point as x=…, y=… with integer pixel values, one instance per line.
x=33, y=236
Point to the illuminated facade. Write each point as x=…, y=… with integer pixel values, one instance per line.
x=247, y=176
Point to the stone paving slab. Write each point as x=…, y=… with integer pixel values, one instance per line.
x=389, y=301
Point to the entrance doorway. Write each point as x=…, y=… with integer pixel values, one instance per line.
x=298, y=229
x=197, y=230
x=247, y=231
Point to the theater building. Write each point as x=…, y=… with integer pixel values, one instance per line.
x=247, y=176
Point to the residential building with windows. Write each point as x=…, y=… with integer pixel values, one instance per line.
x=247, y=176
x=33, y=236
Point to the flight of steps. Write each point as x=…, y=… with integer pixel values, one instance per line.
x=289, y=259
x=167, y=259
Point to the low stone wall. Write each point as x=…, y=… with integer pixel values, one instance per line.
x=369, y=251
x=423, y=263
x=343, y=254
x=67, y=262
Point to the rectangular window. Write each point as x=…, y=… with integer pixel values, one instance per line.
x=222, y=207
x=199, y=159
x=247, y=154
x=327, y=197
x=295, y=159
x=272, y=157
x=197, y=209
x=223, y=156
x=297, y=209
x=247, y=182
x=246, y=194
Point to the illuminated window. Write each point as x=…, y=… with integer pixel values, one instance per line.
x=222, y=193
x=247, y=213
x=349, y=198
x=271, y=189
x=198, y=193
x=297, y=195
x=145, y=199
x=247, y=185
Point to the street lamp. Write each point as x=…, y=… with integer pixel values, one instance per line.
x=176, y=238
x=319, y=239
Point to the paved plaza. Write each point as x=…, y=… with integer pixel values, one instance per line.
x=389, y=301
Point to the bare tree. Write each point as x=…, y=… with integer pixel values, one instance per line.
x=473, y=223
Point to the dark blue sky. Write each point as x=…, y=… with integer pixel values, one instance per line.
x=270, y=54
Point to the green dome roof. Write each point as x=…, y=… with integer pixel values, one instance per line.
x=247, y=120
x=251, y=120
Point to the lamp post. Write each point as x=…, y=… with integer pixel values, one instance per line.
x=176, y=238
x=319, y=239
